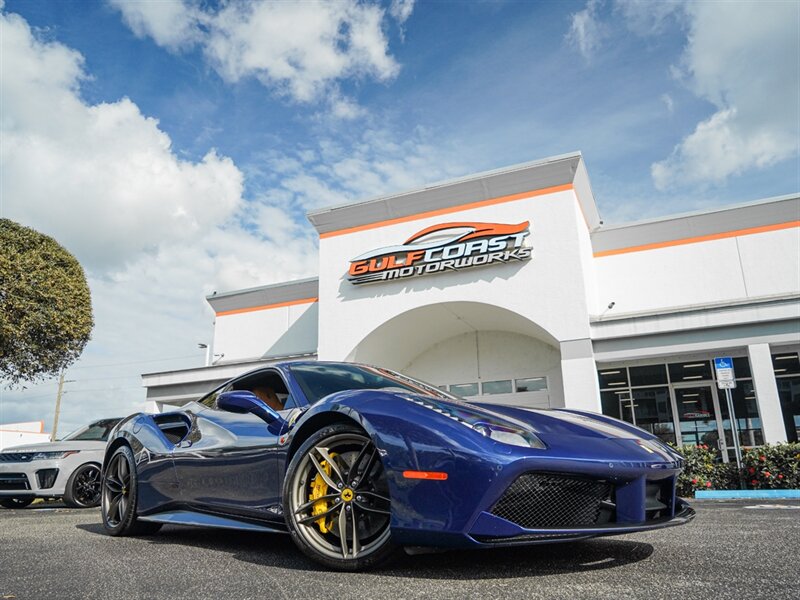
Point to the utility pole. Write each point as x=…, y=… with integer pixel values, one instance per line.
x=58, y=406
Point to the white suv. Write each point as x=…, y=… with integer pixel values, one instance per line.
x=68, y=468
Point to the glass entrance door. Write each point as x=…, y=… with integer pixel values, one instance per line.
x=650, y=409
x=697, y=416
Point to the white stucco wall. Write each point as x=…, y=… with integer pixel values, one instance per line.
x=280, y=331
x=749, y=266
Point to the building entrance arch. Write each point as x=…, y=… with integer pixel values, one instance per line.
x=473, y=348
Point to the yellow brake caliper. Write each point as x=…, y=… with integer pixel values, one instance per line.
x=318, y=489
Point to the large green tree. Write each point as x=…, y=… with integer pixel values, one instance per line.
x=45, y=305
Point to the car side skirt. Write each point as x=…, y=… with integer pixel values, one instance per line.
x=198, y=519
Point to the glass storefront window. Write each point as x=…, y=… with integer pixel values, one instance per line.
x=610, y=403
x=648, y=375
x=741, y=368
x=693, y=370
x=653, y=412
x=464, y=389
x=696, y=415
x=613, y=378
x=497, y=387
x=531, y=384
x=786, y=363
x=789, y=393
x=745, y=407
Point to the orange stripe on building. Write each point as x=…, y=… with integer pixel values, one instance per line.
x=237, y=311
x=450, y=209
x=41, y=428
x=702, y=238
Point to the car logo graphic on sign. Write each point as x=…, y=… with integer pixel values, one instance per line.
x=443, y=247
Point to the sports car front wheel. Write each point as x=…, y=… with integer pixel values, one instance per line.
x=120, y=495
x=337, y=500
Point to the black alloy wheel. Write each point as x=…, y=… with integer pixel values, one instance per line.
x=83, y=487
x=15, y=502
x=336, y=500
x=119, y=497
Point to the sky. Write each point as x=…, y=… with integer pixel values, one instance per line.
x=174, y=147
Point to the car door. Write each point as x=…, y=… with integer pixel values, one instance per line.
x=229, y=462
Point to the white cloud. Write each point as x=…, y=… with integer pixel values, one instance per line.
x=669, y=103
x=587, y=31
x=645, y=17
x=300, y=49
x=156, y=233
x=401, y=10
x=372, y=164
x=345, y=109
x=744, y=59
x=68, y=165
x=174, y=24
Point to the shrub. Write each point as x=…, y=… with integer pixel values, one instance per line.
x=772, y=467
x=763, y=467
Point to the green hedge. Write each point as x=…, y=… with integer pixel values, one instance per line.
x=764, y=467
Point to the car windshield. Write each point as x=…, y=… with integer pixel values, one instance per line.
x=93, y=432
x=320, y=380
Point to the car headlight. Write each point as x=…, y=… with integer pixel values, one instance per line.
x=53, y=455
x=504, y=433
x=508, y=435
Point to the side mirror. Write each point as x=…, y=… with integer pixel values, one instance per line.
x=243, y=401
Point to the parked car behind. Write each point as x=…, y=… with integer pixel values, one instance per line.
x=68, y=468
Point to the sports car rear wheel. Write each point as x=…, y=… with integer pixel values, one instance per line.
x=120, y=496
x=337, y=500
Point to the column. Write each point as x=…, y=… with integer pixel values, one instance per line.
x=769, y=403
x=579, y=373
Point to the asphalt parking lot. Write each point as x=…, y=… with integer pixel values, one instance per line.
x=733, y=549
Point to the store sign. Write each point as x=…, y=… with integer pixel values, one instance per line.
x=698, y=414
x=444, y=247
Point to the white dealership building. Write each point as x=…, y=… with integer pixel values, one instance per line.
x=507, y=286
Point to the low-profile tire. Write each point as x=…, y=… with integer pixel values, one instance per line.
x=15, y=502
x=119, y=497
x=336, y=500
x=83, y=487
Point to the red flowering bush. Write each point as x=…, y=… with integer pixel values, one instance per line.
x=773, y=467
x=765, y=467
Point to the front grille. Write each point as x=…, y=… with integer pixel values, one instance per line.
x=46, y=478
x=14, y=481
x=16, y=456
x=545, y=500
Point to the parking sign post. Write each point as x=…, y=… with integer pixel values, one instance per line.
x=726, y=380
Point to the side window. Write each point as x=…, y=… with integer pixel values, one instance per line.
x=210, y=400
x=269, y=386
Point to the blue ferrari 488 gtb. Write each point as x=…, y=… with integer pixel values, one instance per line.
x=358, y=462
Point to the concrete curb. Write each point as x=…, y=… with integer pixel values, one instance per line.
x=745, y=494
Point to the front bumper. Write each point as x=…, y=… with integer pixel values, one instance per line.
x=41, y=478
x=34, y=478
x=486, y=531
x=635, y=491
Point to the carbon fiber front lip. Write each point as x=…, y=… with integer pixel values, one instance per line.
x=533, y=536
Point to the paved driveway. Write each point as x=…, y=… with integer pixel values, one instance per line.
x=732, y=550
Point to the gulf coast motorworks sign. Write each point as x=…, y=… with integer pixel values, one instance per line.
x=443, y=247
